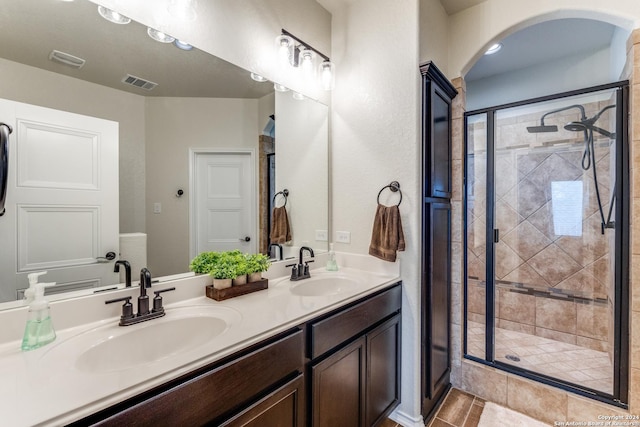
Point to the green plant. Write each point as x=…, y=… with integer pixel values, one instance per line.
x=257, y=263
x=204, y=262
x=224, y=269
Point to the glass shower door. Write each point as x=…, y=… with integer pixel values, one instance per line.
x=554, y=244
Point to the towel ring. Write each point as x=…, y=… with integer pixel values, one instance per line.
x=285, y=194
x=395, y=187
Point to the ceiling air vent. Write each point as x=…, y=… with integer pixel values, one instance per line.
x=66, y=59
x=138, y=82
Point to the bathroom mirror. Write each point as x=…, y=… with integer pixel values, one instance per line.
x=200, y=104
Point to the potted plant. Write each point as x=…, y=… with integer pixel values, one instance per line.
x=257, y=263
x=242, y=268
x=223, y=273
x=204, y=262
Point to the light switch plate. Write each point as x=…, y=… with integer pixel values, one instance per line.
x=322, y=235
x=157, y=208
x=343, y=236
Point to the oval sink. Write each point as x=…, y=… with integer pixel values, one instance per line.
x=115, y=348
x=317, y=286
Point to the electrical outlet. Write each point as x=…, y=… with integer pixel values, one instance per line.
x=322, y=235
x=343, y=236
x=157, y=208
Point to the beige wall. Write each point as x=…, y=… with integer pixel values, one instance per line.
x=173, y=126
x=434, y=28
x=35, y=86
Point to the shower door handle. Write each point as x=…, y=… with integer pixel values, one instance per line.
x=5, y=131
x=496, y=235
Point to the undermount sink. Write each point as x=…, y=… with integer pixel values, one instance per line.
x=114, y=348
x=325, y=285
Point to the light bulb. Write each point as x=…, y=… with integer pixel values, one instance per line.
x=284, y=45
x=306, y=62
x=280, y=88
x=327, y=75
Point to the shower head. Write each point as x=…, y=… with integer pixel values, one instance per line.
x=575, y=126
x=542, y=128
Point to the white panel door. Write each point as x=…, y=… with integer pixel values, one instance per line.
x=62, y=199
x=224, y=212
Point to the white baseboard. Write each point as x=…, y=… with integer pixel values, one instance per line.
x=406, y=420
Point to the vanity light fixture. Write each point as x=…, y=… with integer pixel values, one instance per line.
x=258, y=78
x=113, y=16
x=296, y=53
x=159, y=36
x=493, y=49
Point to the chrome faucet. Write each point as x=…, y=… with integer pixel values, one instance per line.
x=128, y=318
x=127, y=270
x=301, y=271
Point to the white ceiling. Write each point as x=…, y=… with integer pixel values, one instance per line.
x=542, y=43
x=31, y=29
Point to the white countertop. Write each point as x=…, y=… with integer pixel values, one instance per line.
x=46, y=387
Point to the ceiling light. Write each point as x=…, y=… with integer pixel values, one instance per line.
x=113, y=16
x=280, y=88
x=258, y=77
x=66, y=59
x=182, y=45
x=159, y=36
x=493, y=49
x=298, y=96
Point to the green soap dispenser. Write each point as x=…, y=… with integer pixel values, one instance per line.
x=39, y=329
x=332, y=264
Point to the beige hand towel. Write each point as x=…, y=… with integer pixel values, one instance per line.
x=387, y=236
x=280, y=230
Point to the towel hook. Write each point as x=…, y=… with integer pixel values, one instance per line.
x=285, y=194
x=393, y=186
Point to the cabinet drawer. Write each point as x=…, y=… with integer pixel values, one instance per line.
x=222, y=390
x=337, y=328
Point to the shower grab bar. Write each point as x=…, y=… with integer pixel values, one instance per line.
x=5, y=131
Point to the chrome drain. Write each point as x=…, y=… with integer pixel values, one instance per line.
x=512, y=357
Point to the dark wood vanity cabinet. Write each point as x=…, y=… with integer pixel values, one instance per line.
x=357, y=381
x=341, y=369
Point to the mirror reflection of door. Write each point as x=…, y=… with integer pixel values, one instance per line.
x=62, y=200
x=224, y=205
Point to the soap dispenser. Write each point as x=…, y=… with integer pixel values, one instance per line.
x=332, y=264
x=39, y=328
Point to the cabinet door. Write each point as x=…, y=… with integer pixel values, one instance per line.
x=436, y=297
x=383, y=370
x=281, y=408
x=439, y=144
x=338, y=387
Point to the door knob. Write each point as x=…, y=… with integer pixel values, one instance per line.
x=245, y=239
x=109, y=256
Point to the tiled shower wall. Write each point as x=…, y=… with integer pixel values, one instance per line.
x=555, y=286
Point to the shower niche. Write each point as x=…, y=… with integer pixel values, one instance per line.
x=546, y=260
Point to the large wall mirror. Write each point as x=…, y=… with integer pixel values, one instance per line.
x=196, y=164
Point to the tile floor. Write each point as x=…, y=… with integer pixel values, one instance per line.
x=569, y=362
x=459, y=409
